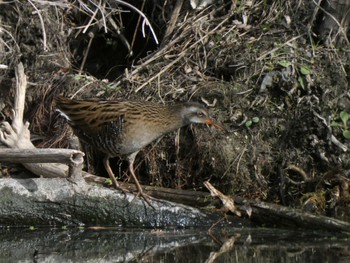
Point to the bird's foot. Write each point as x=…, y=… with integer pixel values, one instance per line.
x=116, y=185
x=145, y=197
x=124, y=190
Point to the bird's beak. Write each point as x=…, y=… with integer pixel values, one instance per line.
x=209, y=121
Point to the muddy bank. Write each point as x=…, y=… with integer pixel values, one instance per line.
x=258, y=66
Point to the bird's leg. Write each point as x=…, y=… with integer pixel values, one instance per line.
x=146, y=197
x=111, y=174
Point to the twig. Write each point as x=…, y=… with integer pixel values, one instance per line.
x=161, y=72
x=21, y=83
x=90, y=21
x=182, y=54
x=91, y=36
x=300, y=171
x=334, y=140
x=228, y=203
x=173, y=20
x=337, y=143
x=137, y=25
x=146, y=21
x=277, y=48
x=42, y=24
x=161, y=53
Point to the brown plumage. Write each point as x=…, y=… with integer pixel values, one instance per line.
x=123, y=128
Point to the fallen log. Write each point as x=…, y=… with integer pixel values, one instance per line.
x=273, y=215
x=57, y=201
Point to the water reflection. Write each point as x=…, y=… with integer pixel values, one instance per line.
x=130, y=245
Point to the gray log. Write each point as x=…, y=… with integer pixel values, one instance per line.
x=46, y=201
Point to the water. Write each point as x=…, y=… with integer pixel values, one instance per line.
x=193, y=245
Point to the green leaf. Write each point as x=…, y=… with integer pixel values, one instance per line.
x=302, y=82
x=284, y=63
x=255, y=119
x=77, y=77
x=108, y=181
x=305, y=70
x=346, y=134
x=344, y=116
x=248, y=123
x=336, y=124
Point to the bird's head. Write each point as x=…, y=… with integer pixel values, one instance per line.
x=196, y=113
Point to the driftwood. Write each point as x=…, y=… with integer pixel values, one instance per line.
x=17, y=135
x=41, y=156
x=73, y=158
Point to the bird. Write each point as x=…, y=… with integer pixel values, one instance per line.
x=123, y=127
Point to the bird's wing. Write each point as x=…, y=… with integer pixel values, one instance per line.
x=91, y=116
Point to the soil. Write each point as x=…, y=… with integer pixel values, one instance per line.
x=259, y=66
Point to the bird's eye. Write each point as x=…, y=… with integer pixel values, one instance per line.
x=200, y=114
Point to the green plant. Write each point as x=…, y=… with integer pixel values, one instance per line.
x=344, y=117
x=250, y=122
x=305, y=72
x=108, y=181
